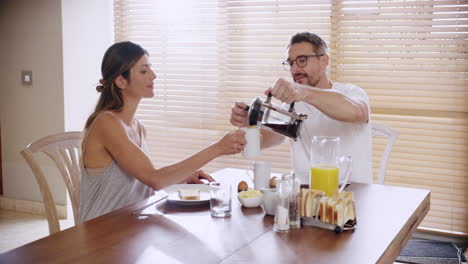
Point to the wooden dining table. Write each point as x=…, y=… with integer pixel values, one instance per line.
x=166, y=232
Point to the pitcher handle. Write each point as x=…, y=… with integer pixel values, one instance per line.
x=349, y=167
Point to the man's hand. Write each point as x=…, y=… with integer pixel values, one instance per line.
x=239, y=115
x=198, y=176
x=286, y=91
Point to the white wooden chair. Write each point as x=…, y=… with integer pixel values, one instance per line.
x=65, y=150
x=379, y=130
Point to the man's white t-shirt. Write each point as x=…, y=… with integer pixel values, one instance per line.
x=356, y=139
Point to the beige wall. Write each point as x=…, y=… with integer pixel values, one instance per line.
x=45, y=36
x=31, y=40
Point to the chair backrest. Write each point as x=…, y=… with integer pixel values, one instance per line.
x=379, y=130
x=65, y=150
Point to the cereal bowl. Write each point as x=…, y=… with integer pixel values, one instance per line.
x=250, y=200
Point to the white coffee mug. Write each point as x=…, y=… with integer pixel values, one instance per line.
x=252, y=148
x=262, y=174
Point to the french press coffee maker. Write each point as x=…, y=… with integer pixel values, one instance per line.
x=275, y=118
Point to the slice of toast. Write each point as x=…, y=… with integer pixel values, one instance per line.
x=323, y=209
x=336, y=210
x=309, y=202
x=302, y=201
x=313, y=201
x=345, y=208
x=189, y=194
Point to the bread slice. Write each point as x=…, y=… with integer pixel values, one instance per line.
x=346, y=196
x=336, y=210
x=302, y=201
x=345, y=208
x=349, y=212
x=309, y=202
x=313, y=202
x=323, y=209
x=339, y=212
x=189, y=194
x=331, y=211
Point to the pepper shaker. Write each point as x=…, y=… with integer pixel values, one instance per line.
x=294, y=213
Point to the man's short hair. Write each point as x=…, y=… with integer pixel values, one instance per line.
x=317, y=42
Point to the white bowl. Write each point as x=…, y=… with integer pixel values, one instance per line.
x=250, y=202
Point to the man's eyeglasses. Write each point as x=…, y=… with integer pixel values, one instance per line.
x=301, y=61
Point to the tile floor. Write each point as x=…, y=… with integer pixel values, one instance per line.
x=17, y=228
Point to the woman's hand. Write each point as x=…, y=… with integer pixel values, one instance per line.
x=198, y=176
x=232, y=143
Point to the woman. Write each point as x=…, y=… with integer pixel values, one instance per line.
x=116, y=168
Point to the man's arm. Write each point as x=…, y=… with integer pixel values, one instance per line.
x=336, y=105
x=333, y=104
x=270, y=139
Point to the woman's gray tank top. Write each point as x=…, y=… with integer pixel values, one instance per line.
x=113, y=189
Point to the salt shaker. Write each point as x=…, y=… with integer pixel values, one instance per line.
x=283, y=189
x=294, y=196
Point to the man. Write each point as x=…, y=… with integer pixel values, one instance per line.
x=332, y=109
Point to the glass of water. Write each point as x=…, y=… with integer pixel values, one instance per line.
x=220, y=199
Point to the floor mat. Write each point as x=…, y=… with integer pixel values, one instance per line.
x=421, y=260
x=430, y=252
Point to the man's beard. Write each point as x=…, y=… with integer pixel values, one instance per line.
x=305, y=75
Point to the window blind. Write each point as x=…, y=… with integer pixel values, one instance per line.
x=186, y=46
x=257, y=35
x=409, y=56
x=209, y=54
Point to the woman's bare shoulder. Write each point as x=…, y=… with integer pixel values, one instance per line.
x=108, y=120
x=106, y=126
x=105, y=129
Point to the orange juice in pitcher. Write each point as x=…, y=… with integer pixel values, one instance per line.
x=325, y=178
x=325, y=159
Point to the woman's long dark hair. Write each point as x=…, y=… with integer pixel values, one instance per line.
x=118, y=60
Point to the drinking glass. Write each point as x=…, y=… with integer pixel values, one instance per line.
x=220, y=199
x=269, y=200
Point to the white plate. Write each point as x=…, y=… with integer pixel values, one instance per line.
x=174, y=198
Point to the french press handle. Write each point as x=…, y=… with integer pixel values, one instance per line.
x=291, y=107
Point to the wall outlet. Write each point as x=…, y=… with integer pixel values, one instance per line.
x=26, y=77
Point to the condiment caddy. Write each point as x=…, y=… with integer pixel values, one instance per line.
x=336, y=212
x=297, y=205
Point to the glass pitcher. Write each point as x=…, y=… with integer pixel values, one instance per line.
x=326, y=165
